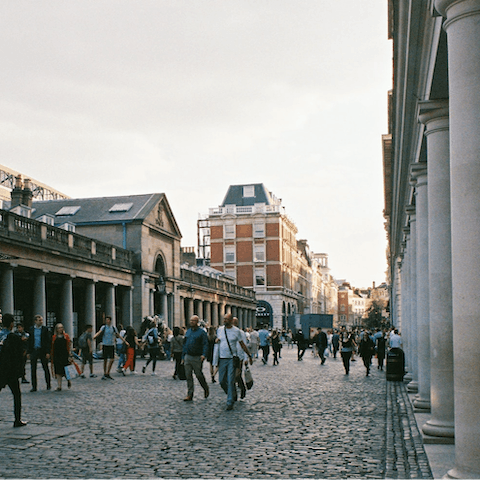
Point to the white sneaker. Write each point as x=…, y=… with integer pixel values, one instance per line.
x=154, y=373
x=133, y=372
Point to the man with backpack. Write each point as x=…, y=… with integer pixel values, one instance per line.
x=86, y=350
x=109, y=333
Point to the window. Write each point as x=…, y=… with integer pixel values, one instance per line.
x=229, y=231
x=259, y=230
x=229, y=254
x=259, y=276
x=121, y=207
x=67, y=211
x=259, y=253
x=248, y=191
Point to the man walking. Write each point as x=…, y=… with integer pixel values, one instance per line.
x=229, y=337
x=238, y=371
x=322, y=343
x=39, y=346
x=264, y=337
x=301, y=345
x=335, y=343
x=195, y=349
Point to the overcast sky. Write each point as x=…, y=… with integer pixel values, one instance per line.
x=117, y=97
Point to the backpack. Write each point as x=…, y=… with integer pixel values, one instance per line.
x=82, y=341
x=151, y=337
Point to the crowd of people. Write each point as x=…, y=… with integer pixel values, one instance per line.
x=228, y=350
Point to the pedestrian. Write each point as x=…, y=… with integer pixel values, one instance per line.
x=121, y=348
x=264, y=337
x=61, y=354
x=212, y=338
x=322, y=344
x=177, y=350
x=109, y=334
x=348, y=344
x=167, y=335
x=39, y=346
x=396, y=344
x=195, y=349
x=20, y=331
x=366, y=349
x=243, y=358
x=254, y=343
x=12, y=353
x=335, y=343
x=85, y=343
x=381, y=347
x=132, y=342
x=152, y=342
x=289, y=339
x=301, y=344
x=276, y=346
x=229, y=338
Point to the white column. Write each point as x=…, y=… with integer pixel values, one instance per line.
x=39, y=295
x=90, y=318
x=215, y=314
x=67, y=306
x=434, y=114
x=165, y=308
x=406, y=299
x=7, y=293
x=422, y=401
x=127, y=307
x=463, y=38
x=412, y=387
x=110, y=303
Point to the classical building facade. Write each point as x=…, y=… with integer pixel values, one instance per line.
x=79, y=260
x=432, y=211
x=250, y=237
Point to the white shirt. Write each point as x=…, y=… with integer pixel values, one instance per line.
x=395, y=341
x=234, y=336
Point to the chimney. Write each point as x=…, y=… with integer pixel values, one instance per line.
x=27, y=193
x=374, y=285
x=17, y=192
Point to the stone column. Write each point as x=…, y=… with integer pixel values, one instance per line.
x=110, y=303
x=7, y=299
x=208, y=312
x=90, y=317
x=434, y=114
x=67, y=306
x=422, y=401
x=190, y=309
x=165, y=308
x=127, y=306
x=412, y=387
x=463, y=37
x=406, y=316
x=215, y=314
x=40, y=296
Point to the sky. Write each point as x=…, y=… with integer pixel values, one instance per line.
x=116, y=97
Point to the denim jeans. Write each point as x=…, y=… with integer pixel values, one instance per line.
x=226, y=377
x=122, y=357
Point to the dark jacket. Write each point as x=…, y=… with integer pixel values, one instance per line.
x=366, y=348
x=45, y=339
x=322, y=341
x=11, y=359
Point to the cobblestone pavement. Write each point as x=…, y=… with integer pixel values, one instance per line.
x=300, y=420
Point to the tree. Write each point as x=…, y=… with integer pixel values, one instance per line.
x=374, y=317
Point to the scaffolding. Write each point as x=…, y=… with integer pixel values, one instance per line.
x=203, y=238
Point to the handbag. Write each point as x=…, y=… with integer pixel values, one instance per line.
x=248, y=378
x=236, y=359
x=70, y=372
x=181, y=372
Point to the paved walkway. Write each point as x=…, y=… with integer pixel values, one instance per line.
x=300, y=420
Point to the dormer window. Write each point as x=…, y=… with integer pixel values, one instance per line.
x=67, y=211
x=121, y=207
x=248, y=191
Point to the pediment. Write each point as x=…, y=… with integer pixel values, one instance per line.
x=161, y=218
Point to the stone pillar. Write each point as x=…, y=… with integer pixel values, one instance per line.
x=406, y=318
x=110, y=303
x=463, y=37
x=90, y=317
x=165, y=308
x=208, y=312
x=215, y=316
x=7, y=301
x=40, y=296
x=422, y=401
x=412, y=387
x=67, y=306
x=190, y=307
x=434, y=114
x=127, y=307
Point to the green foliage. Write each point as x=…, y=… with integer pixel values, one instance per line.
x=374, y=316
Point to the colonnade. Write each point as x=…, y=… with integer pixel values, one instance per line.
x=439, y=265
x=213, y=312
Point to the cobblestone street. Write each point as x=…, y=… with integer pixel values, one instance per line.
x=300, y=419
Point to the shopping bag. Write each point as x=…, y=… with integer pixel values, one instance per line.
x=248, y=378
x=181, y=372
x=71, y=372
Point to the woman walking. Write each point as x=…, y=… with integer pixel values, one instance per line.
x=348, y=344
x=366, y=350
x=381, y=347
x=176, y=346
x=61, y=354
x=276, y=346
x=132, y=342
x=212, y=337
x=153, y=346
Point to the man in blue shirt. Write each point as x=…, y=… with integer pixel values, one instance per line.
x=195, y=348
x=39, y=346
x=264, y=336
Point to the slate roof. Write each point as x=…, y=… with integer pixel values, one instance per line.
x=97, y=210
x=235, y=196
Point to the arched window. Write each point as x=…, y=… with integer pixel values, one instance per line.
x=160, y=267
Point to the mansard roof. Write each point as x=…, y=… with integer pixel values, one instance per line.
x=235, y=195
x=106, y=210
